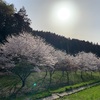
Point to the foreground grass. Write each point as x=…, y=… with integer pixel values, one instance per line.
x=92, y=93
x=58, y=84
x=67, y=88
x=59, y=90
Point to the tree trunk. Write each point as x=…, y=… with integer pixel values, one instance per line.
x=50, y=80
x=44, y=77
x=82, y=76
x=75, y=72
x=91, y=75
x=67, y=76
x=15, y=94
x=61, y=77
x=23, y=84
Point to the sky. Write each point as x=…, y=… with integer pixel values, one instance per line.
x=79, y=19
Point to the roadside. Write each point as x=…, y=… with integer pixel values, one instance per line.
x=59, y=95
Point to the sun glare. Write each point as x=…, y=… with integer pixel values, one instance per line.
x=63, y=14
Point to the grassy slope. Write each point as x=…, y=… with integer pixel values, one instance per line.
x=50, y=92
x=8, y=82
x=92, y=93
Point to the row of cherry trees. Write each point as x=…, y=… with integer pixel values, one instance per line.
x=25, y=54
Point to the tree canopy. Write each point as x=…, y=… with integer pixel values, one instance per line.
x=12, y=22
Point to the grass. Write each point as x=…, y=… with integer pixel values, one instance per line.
x=7, y=83
x=63, y=89
x=40, y=90
x=34, y=96
x=92, y=93
x=50, y=92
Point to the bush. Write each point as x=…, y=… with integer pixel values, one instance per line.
x=69, y=89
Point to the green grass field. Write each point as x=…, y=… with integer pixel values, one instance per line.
x=8, y=83
x=92, y=93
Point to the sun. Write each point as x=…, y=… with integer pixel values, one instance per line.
x=63, y=14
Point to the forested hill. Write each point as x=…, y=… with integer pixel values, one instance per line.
x=71, y=46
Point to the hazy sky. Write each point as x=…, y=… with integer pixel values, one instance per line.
x=78, y=19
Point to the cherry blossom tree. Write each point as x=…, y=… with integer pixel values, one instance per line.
x=25, y=54
x=86, y=62
x=98, y=65
x=30, y=48
x=64, y=63
x=5, y=63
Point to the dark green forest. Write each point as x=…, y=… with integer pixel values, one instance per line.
x=71, y=46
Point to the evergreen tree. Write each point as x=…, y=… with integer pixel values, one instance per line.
x=12, y=22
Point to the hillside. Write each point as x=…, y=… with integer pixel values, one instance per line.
x=71, y=46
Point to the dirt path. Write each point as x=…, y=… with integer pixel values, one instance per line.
x=58, y=95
